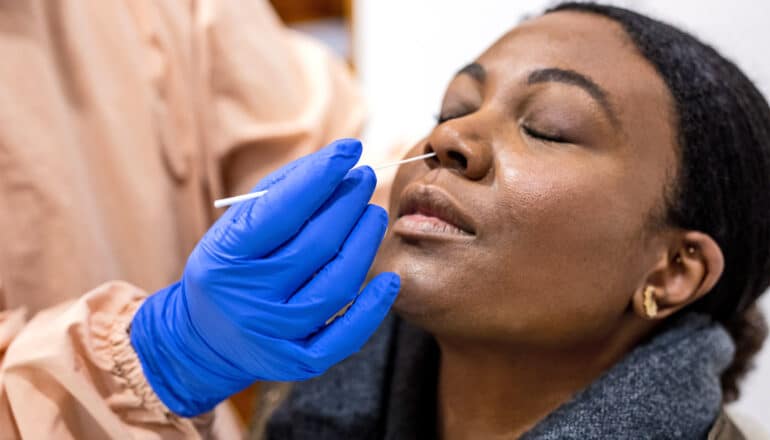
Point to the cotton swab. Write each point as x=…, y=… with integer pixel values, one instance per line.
x=221, y=203
x=399, y=162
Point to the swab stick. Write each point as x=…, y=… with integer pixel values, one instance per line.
x=221, y=203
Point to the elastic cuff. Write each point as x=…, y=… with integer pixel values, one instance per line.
x=126, y=362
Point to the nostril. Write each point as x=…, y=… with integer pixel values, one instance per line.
x=459, y=159
x=431, y=161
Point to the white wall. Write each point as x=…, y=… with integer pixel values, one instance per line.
x=406, y=51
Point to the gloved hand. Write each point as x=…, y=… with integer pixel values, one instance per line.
x=259, y=287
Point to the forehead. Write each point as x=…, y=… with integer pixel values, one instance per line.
x=598, y=48
x=568, y=36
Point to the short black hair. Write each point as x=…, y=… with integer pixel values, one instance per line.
x=722, y=185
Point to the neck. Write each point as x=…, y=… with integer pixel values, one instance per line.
x=489, y=391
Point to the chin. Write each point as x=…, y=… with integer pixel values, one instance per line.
x=442, y=268
x=417, y=306
x=425, y=299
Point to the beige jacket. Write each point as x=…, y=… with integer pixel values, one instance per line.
x=120, y=122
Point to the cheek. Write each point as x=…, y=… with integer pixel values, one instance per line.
x=571, y=240
x=578, y=207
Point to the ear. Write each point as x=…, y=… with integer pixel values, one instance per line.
x=688, y=270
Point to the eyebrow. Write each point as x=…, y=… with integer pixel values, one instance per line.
x=554, y=74
x=574, y=78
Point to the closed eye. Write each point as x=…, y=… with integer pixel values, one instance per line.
x=443, y=117
x=542, y=136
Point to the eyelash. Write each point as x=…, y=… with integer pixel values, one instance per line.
x=440, y=119
x=538, y=135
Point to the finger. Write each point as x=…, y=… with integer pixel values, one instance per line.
x=325, y=233
x=297, y=360
x=330, y=290
x=348, y=333
x=256, y=227
x=340, y=280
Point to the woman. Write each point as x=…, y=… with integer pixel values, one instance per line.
x=583, y=256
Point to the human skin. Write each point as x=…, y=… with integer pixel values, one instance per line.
x=543, y=290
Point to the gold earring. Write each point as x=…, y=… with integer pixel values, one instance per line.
x=650, y=306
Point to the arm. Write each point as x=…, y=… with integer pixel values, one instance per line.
x=70, y=373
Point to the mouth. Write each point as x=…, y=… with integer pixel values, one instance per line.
x=429, y=212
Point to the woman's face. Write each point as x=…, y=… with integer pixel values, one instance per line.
x=532, y=224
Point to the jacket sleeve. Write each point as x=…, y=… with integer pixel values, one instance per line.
x=71, y=373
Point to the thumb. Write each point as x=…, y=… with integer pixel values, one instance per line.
x=256, y=227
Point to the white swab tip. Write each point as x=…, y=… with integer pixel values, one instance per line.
x=221, y=203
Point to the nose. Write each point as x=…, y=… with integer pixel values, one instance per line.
x=465, y=153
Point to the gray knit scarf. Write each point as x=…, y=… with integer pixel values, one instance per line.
x=666, y=388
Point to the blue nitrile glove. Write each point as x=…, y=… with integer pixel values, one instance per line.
x=261, y=284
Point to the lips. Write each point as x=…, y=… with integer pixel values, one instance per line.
x=428, y=211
